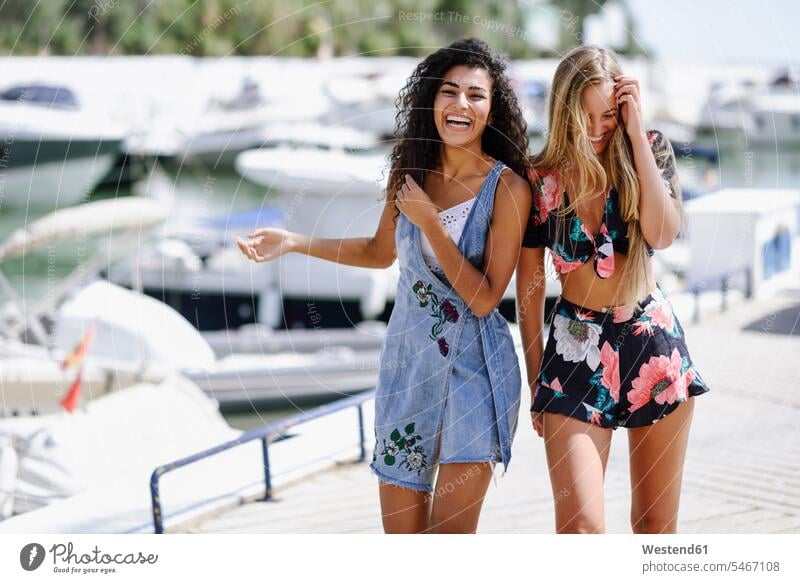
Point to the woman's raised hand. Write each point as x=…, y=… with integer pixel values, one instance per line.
x=266, y=244
x=626, y=92
x=415, y=203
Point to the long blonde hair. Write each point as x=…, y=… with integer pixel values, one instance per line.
x=568, y=150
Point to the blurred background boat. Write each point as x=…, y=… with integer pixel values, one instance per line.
x=135, y=337
x=55, y=151
x=225, y=128
x=763, y=112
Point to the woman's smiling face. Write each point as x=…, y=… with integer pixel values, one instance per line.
x=601, y=113
x=462, y=105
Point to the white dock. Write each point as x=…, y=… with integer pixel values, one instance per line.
x=742, y=473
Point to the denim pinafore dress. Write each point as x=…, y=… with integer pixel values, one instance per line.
x=449, y=382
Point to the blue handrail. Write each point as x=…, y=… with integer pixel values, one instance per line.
x=267, y=435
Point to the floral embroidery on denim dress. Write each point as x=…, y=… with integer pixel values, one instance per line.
x=443, y=311
x=414, y=457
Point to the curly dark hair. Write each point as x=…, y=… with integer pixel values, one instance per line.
x=417, y=149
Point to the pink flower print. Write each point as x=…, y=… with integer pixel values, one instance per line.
x=551, y=197
x=556, y=386
x=594, y=414
x=660, y=379
x=609, y=358
x=622, y=313
x=662, y=316
x=642, y=327
x=605, y=266
x=564, y=266
x=658, y=313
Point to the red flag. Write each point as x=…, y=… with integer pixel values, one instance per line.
x=70, y=401
x=76, y=357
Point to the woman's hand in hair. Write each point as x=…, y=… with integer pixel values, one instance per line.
x=415, y=203
x=626, y=93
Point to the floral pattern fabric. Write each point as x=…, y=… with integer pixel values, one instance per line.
x=405, y=446
x=443, y=311
x=612, y=372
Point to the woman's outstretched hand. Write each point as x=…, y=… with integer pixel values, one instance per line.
x=266, y=244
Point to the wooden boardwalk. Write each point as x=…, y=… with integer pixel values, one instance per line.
x=742, y=472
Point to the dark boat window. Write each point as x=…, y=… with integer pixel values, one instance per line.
x=50, y=96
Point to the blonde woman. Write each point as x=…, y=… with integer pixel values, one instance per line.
x=605, y=195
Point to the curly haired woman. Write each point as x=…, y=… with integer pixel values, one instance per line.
x=449, y=382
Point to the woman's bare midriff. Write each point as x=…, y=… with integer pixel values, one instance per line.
x=584, y=288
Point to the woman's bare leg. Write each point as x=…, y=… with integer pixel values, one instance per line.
x=404, y=511
x=458, y=497
x=577, y=454
x=657, y=454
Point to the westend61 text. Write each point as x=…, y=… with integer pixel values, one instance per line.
x=673, y=550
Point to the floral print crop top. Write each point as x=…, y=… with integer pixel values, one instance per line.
x=579, y=245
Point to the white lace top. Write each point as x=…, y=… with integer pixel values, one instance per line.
x=453, y=220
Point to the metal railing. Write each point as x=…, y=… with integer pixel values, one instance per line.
x=723, y=281
x=267, y=434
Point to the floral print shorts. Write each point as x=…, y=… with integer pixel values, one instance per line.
x=623, y=366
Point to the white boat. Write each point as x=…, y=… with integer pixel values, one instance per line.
x=327, y=194
x=32, y=380
x=125, y=323
x=367, y=101
x=776, y=116
x=50, y=458
x=259, y=338
x=31, y=377
x=55, y=152
x=314, y=172
x=89, y=471
x=193, y=264
x=764, y=113
x=195, y=267
x=225, y=129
